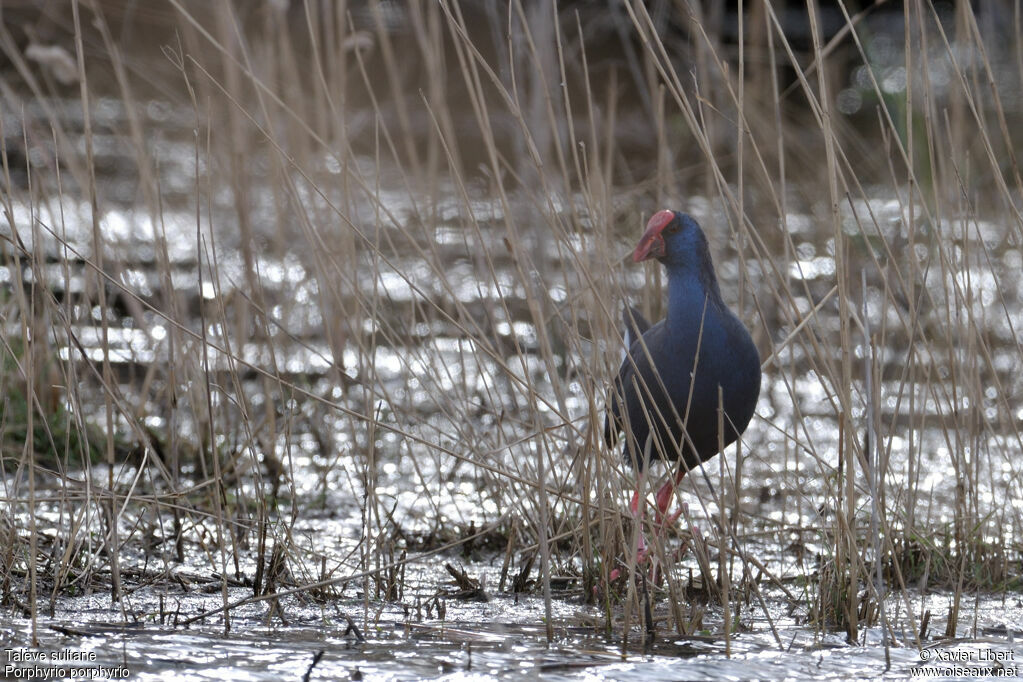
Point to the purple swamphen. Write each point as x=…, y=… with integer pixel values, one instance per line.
x=667, y=389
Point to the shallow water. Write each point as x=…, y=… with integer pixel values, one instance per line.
x=499, y=638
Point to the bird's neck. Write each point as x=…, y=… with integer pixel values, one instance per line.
x=693, y=299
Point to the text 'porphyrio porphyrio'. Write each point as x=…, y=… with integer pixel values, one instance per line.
x=667, y=389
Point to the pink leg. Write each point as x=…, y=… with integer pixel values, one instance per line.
x=662, y=520
x=663, y=500
x=634, y=505
x=636, y=511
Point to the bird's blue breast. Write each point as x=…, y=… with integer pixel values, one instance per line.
x=674, y=380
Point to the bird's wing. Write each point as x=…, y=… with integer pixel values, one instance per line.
x=636, y=362
x=635, y=324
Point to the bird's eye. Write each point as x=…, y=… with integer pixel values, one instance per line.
x=672, y=227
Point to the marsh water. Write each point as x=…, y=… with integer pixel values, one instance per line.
x=501, y=637
x=431, y=327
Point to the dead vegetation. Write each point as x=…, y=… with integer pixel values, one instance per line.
x=323, y=261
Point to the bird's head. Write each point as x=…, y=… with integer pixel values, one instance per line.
x=673, y=238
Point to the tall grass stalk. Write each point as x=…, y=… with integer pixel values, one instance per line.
x=399, y=302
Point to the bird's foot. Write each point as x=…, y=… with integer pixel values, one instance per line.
x=662, y=521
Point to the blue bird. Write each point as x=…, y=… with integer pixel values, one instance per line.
x=667, y=387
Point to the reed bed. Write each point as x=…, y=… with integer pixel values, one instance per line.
x=317, y=260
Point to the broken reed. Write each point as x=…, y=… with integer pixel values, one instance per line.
x=470, y=314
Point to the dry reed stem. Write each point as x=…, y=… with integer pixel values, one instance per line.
x=541, y=215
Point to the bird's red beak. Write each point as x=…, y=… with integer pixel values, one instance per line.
x=651, y=244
